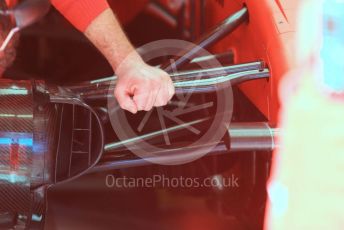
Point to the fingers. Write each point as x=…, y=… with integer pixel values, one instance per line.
x=124, y=99
x=144, y=88
x=162, y=96
x=143, y=98
x=160, y=93
x=155, y=96
x=150, y=102
x=165, y=93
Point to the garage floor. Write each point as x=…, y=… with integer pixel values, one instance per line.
x=89, y=204
x=106, y=208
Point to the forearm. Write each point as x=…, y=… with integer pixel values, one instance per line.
x=80, y=12
x=106, y=34
x=139, y=86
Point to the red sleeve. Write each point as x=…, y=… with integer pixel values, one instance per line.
x=80, y=12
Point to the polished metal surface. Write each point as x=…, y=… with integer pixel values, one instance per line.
x=198, y=81
x=180, y=75
x=225, y=58
x=253, y=136
x=250, y=136
x=121, y=145
x=168, y=156
x=224, y=28
x=221, y=82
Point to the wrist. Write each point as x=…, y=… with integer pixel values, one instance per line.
x=132, y=61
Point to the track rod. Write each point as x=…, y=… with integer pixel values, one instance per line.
x=248, y=136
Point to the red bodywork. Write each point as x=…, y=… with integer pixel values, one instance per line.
x=269, y=36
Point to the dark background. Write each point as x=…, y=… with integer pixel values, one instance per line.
x=52, y=50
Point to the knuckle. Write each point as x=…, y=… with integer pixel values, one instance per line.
x=158, y=103
x=123, y=106
x=162, y=103
x=139, y=104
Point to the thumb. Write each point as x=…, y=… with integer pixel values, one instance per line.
x=124, y=100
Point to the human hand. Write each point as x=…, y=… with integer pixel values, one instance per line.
x=140, y=86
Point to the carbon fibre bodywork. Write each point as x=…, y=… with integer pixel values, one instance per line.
x=33, y=153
